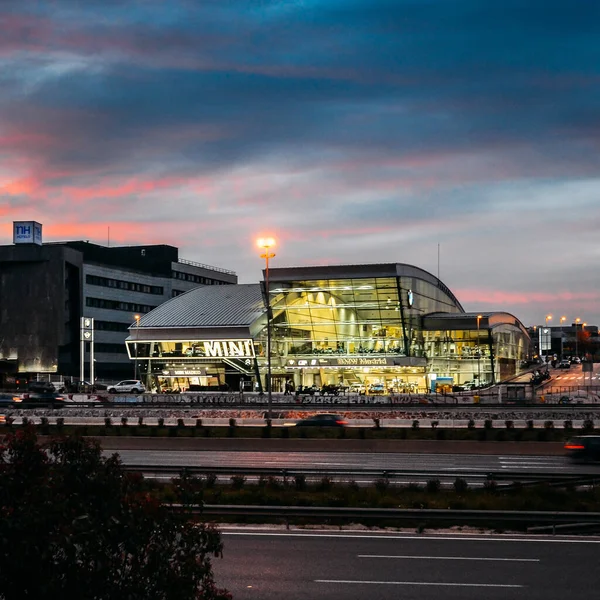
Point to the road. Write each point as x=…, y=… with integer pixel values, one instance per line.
x=297, y=565
x=356, y=460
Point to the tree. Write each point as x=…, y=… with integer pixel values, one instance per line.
x=74, y=524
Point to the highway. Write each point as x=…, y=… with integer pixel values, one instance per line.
x=270, y=565
x=473, y=463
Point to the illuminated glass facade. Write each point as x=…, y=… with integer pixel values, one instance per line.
x=391, y=328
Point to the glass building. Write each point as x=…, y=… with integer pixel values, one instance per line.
x=387, y=328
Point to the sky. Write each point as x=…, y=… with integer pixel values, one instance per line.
x=352, y=131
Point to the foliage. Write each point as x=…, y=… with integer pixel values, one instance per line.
x=89, y=530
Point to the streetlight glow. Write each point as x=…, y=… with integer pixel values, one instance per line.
x=479, y=317
x=265, y=243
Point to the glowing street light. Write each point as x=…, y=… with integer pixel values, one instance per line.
x=562, y=320
x=577, y=321
x=266, y=244
x=479, y=317
x=137, y=326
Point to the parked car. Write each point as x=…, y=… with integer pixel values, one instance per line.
x=377, y=388
x=82, y=387
x=323, y=420
x=307, y=390
x=128, y=386
x=330, y=390
x=584, y=448
x=564, y=364
x=358, y=388
x=575, y=360
x=42, y=387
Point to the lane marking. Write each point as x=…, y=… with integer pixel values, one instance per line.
x=450, y=558
x=423, y=538
x=421, y=583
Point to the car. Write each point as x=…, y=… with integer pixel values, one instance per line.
x=42, y=400
x=330, y=390
x=583, y=448
x=575, y=360
x=307, y=390
x=81, y=387
x=564, y=364
x=42, y=387
x=358, y=388
x=10, y=400
x=323, y=420
x=127, y=386
x=377, y=388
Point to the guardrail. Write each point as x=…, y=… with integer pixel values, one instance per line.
x=552, y=518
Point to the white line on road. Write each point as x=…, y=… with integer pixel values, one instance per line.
x=451, y=558
x=439, y=584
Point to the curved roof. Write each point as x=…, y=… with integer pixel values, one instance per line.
x=284, y=274
x=208, y=306
x=489, y=320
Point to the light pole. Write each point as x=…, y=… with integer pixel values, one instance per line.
x=576, y=336
x=266, y=244
x=479, y=317
x=562, y=320
x=548, y=318
x=137, y=332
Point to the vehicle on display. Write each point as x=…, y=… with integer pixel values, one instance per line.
x=307, y=390
x=330, y=390
x=575, y=360
x=564, y=364
x=323, y=420
x=127, y=386
x=377, y=388
x=358, y=388
x=584, y=448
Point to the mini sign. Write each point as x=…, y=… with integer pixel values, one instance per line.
x=27, y=232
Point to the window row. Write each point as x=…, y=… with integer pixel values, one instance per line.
x=111, y=326
x=111, y=348
x=132, y=307
x=196, y=278
x=131, y=286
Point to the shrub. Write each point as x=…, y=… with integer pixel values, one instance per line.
x=568, y=425
x=273, y=483
x=353, y=486
x=433, y=486
x=460, y=485
x=180, y=423
x=161, y=422
x=198, y=423
x=490, y=485
x=377, y=422
x=509, y=424
x=44, y=422
x=140, y=421
x=107, y=422
x=548, y=425
x=488, y=424
x=300, y=482
x=124, y=421
x=588, y=425
x=60, y=422
x=471, y=424
x=25, y=421
x=415, y=425
x=237, y=482
x=211, y=480
x=325, y=484
x=382, y=485
x=232, y=422
x=434, y=424
x=530, y=425
x=9, y=421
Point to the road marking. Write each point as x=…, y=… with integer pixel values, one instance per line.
x=451, y=558
x=422, y=583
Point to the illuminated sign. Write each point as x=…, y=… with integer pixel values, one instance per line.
x=27, y=232
x=410, y=297
x=229, y=348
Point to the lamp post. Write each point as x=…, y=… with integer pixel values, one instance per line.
x=135, y=366
x=577, y=320
x=548, y=318
x=479, y=317
x=562, y=320
x=266, y=244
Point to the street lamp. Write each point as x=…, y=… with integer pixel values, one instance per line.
x=562, y=320
x=135, y=366
x=548, y=318
x=577, y=320
x=266, y=244
x=479, y=317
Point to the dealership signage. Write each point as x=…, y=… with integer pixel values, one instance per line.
x=359, y=361
x=229, y=348
x=27, y=232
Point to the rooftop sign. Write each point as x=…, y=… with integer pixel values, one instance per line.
x=27, y=232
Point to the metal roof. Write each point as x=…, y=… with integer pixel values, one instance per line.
x=209, y=306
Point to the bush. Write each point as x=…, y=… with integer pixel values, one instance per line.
x=471, y=424
x=237, y=482
x=325, y=484
x=488, y=424
x=107, y=422
x=377, y=422
x=490, y=485
x=161, y=422
x=433, y=486
x=124, y=421
x=568, y=425
x=300, y=482
x=460, y=485
x=382, y=485
x=60, y=422
x=180, y=423
x=509, y=424
x=140, y=421
x=198, y=423
x=434, y=424
x=211, y=480
x=44, y=424
x=232, y=422
x=588, y=425
x=530, y=425
x=415, y=425
x=548, y=425
x=25, y=421
x=9, y=421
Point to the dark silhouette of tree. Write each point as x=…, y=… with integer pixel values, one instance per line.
x=74, y=524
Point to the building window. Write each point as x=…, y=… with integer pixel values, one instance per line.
x=111, y=348
x=131, y=307
x=132, y=286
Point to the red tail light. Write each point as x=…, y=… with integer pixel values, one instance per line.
x=341, y=422
x=574, y=447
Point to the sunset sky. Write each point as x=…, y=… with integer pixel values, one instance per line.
x=353, y=131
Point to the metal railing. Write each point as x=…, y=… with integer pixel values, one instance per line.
x=183, y=261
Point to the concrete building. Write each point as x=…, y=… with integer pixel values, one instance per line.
x=45, y=290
